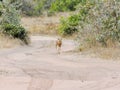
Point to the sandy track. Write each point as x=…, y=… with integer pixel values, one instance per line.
x=39, y=67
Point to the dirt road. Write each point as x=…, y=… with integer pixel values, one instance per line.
x=39, y=67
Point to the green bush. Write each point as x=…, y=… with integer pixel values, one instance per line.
x=10, y=22
x=29, y=8
x=36, y=7
x=100, y=19
x=68, y=25
x=15, y=31
x=65, y=5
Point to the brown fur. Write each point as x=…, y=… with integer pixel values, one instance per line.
x=58, y=45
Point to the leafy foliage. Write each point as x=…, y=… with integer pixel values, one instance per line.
x=64, y=5
x=10, y=15
x=28, y=8
x=69, y=26
x=35, y=7
x=98, y=23
x=10, y=23
x=38, y=7
x=14, y=30
x=101, y=21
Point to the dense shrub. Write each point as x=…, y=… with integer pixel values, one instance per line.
x=65, y=5
x=0, y=8
x=97, y=23
x=27, y=8
x=68, y=25
x=100, y=23
x=10, y=21
x=35, y=7
x=16, y=32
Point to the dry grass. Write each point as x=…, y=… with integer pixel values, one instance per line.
x=94, y=49
x=41, y=25
x=89, y=46
x=49, y=28
x=110, y=53
x=7, y=42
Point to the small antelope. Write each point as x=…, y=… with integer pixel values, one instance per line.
x=58, y=45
